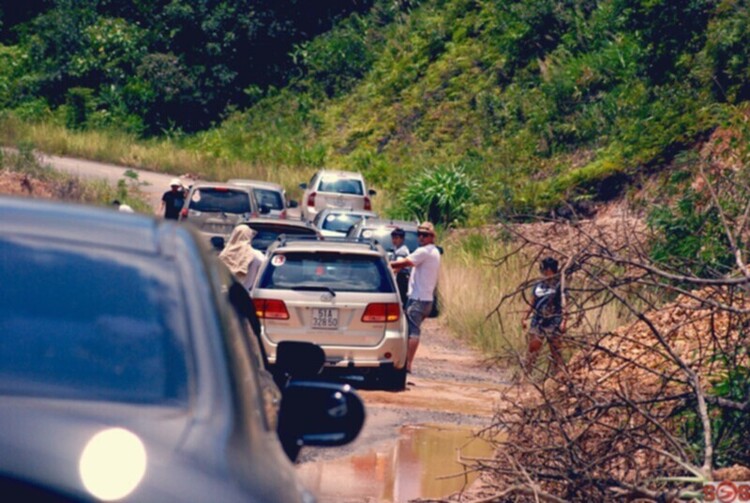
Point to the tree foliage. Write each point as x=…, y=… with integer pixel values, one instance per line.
x=122, y=51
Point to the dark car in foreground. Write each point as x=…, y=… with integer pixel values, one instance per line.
x=128, y=370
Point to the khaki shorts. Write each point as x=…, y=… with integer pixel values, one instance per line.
x=416, y=312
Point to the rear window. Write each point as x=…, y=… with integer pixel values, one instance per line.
x=89, y=324
x=265, y=235
x=341, y=185
x=220, y=200
x=339, y=222
x=338, y=271
x=270, y=198
x=383, y=236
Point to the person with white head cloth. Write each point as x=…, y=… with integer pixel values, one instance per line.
x=242, y=260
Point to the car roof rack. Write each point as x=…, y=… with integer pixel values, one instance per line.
x=284, y=239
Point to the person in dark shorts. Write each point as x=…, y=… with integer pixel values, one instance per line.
x=425, y=268
x=547, y=320
x=173, y=200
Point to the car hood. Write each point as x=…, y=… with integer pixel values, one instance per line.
x=48, y=445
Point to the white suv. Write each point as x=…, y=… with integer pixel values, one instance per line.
x=341, y=295
x=334, y=189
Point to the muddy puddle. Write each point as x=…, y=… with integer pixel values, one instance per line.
x=418, y=465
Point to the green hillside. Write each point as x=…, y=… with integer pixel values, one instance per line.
x=521, y=104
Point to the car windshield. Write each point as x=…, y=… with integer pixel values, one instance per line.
x=89, y=324
x=341, y=185
x=270, y=198
x=340, y=272
x=265, y=235
x=220, y=200
x=383, y=236
x=339, y=222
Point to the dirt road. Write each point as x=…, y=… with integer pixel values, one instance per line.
x=411, y=438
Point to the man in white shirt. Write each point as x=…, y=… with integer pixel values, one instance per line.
x=425, y=264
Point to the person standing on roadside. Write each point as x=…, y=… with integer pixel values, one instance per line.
x=547, y=322
x=173, y=200
x=125, y=208
x=400, y=250
x=241, y=258
x=425, y=265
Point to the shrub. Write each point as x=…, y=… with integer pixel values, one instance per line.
x=442, y=195
x=690, y=238
x=336, y=60
x=80, y=105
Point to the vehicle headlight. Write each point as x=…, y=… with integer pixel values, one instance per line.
x=112, y=464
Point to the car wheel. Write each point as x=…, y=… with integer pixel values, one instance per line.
x=393, y=379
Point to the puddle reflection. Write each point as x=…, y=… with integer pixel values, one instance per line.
x=410, y=468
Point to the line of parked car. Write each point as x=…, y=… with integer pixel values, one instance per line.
x=134, y=367
x=326, y=278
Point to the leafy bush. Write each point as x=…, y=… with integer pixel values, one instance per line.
x=336, y=60
x=691, y=238
x=442, y=195
x=80, y=105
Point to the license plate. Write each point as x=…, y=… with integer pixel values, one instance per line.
x=218, y=228
x=325, y=319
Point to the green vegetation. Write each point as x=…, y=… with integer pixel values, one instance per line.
x=540, y=102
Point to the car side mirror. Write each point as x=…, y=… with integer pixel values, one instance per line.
x=319, y=414
x=217, y=242
x=293, y=204
x=372, y=192
x=299, y=359
x=264, y=209
x=303, y=186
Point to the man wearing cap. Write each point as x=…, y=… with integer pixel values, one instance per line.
x=425, y=264
x=172, y=200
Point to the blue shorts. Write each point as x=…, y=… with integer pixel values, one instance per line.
x=416, y=312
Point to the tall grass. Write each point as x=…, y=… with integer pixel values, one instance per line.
x=472, y=285
x=166, y=154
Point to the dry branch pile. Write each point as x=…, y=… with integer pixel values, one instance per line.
x=612, y=424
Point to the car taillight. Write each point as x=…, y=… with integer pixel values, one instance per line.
x=282, y=215
x=311, y=199
x=271, y=309
x=184, y=212
x=382, y=312
x=368, y=204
